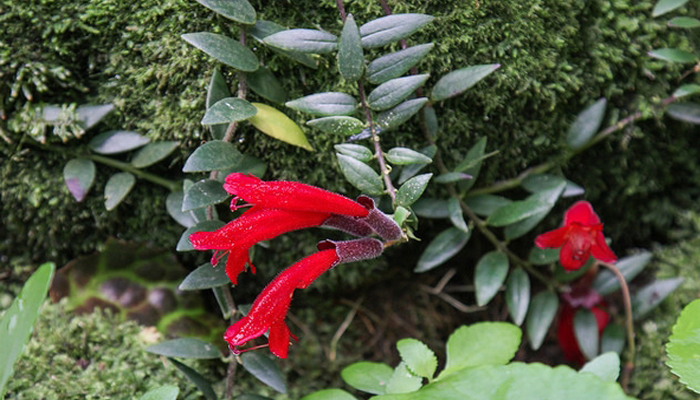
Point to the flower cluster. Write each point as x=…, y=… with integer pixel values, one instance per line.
x=278, y=207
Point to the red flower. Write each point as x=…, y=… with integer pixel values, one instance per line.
x=567, y=337
x=581, y=236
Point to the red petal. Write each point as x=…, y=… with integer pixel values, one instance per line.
x=601, y=317
x=567, y=260
x=279, y=339
x=243, y=330
x=235, y=263
x=600, y=249
x=552, y=239
x=581, y=212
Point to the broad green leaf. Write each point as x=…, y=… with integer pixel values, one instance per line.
x=473, y=346
x=664, y=6
x=445, y=245
x=79, y=174
x=491, y=272
x=17, y=323
x=113, y=142
x=396, y=64
x=673, y=55
x=325, y=104
x=351, y=61
x=237, y=10
x=263, y=29
x=686, y=90
x=152, y=153
x=543, y=309
x=431, y=208
x=472, y=163
x=606, y=282
x=91, y=115
x=340, y=125
x=543, y=256
x=411, y=191
x=518, y=295
x=403, y=381
x=419, y=359
x=248, y=165
x=173, y=203
x=392, y=92
x=454, y=208
x=360, y=175
x=606, y=367
x=303, y=41
x=264, y=369
x=548, y=197
x=116, y=189
x=204, y=226
x=204, y=193
x=586, y=332
x=368, y=377
x=652, y=295
x=230, y=109
x=684, y=22
x=274, y=123
x=162, y=393
x=459, y=81
x=398, y=115
x=683, y=347
x=409, y=171
x=224, y=49
x=586, y=125
x=356, y=151
x=516, y=211
x=485, y=204
x=392, y=28
x=686, y=112
x=217, y=90
x=541, y=182
x=405, y=156
x=263, y=82
x=212, y=156
x=329, y=394
x=196, y=378
x=200, y=214
x=613, y=339
x=205, y=277
x=185, y=348
x=452, y=177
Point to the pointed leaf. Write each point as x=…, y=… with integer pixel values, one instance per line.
x=264, y=369
x=205, y=277
x=613, y=339
x=686, y=90
x=586, y=332
x=548, y=197
x=212, y=156
x=456, y=216
x=116, y=189
x=360, y=175
x=356, y=151
x=683, y=347
x=396, y=64
x=673, y=55
x=684, y=22
x=459, y=81
x=392, y=92
x=274, y=123
x=664, y=6
x=369, y=377
x=452, y=177
x=411, y=170
x=92, y=115
x=230, y=109
x=303, y=40
x=185, y=348
x=419, y=359
x=264, y=83
x=485, y=204
x=351, y=61
x=218, y=89
x=411, y=191
x=541, y=182
x=491, y=272
x=204, y=193
x=431, y=208
x=586, y=125
x=686, y=112
x=162, y=393
x=224, y=49
x=263, y=29
x=606, y=282
x=606, y=367
x=572, y=189
x=652, y=295
x=328, y=394
x=325, y=104
x=543, y=309
x=152, y=153
x=205, y=226
x=398, y=115
x=471, y=164
x=518, y=295
x=403, y=381
x=237, y=10
x=405, y=156
x=340, y=125
x=392, y=28
x=79, y=174
x=196, y=378
x=445, y=245
x=113, y=142
x=516, y=211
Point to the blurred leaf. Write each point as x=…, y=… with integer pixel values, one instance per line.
x=152, y=153
x=405, y=156
x=548, y=197
x=613, y=339
x=196, y=378
x=419, y=359
x=683, y=347
x=586, y=332
x=264, y=369
x=355, y=151
x=673, y=55
x=185, y=348
x=684, y=22
x=398, y=115
x=411, y=191
x=606, y=282
x=263, y=29
x=396, y=64
x=664, y=6
x=237, y=10
x=686, y=112
x=652, y=295
x=457, y=82
x=303, y=40
x=79, y=174
x=224, y=49
x=360, y=175
x=452, y=177
x=204, y=193
x=264, y=83
x=403, y=381
x=330, y=394
x=541, y=182
x=230, y=109
x=205, y=226
x=572, y=189
x=274, y=123
x=340, y=125
x=472, y=163
x=392, y=92
x=325, y=104
x=408, y=171
x=400, y=216
x=217, y=90
x=543, y=256
x=116, y=189
x=173, y=204
x=91, y=115
x=431, y=208
x=485, y=204
x=162, y=393
x=491, y=272
x=543, y=309
x=456, y=216
x=351, y=61
x=205, y=276
x=368, y=377
x=518, y=295
x=606, y=367
x=586, y=125
x=445, y=245
x=431, y=122
x=686, y=90
x=113, y=142
x=211, y=156
x=516, y=211
x=392, y=28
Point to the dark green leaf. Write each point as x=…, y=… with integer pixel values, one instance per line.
x=452, y=177
x=340, y=125
x=113, y=142
x=237, y=10
x=543, y=308
x=431, y=208
x=204, y=193
x=351, y=61
x=664, y=6
x=684, y=22
x=549, y=197
x=405, y=156
x=586, y=125
x=211, y=156
x=162, y=393
x=411, y=191
x=205, y=277
x=606, y=367
x=218, y=89
x=673, y=55
x=392, y=92
x=116, y=189
x=91, y=115
x=652, y=295
x=686, y=90
x=398, y=115
x=586, y=332
x=173, y=203
x=196, y=378
x=613, y=339
x=263, y=29
x=79, y=174
x=205, y=226
x=686, y=112
x=459, y=81
x=392, y=28
x=356, y=151
x=606, y=282
x=485, y=204
x=360, y=175
x=264, y=83
x=456, y=216
x=411, y=170
x=684, y=347
x=329, y=394
x=396, y=64
x=419, y=359
x=224, y=49
x=230, y=109
x=369, y=377
x=152, y=153
x=445, y=245
x=543, y=256
x=541, y=182
x=516, y=211
x=303, y=40
x=431, y=122
x=403, y=381
x=264, y=369
x=276, y=124
x=471, y=164
x=325, y=104
x=518, y=295
x=491, y=272
x=185, y=348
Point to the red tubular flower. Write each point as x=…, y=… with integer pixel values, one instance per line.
x=581, y=236
x=567, y=337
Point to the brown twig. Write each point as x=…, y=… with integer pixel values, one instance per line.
x=343, y=327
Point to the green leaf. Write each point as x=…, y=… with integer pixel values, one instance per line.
x=237, y=10
x=686, y=112
x=230, y=109
x=543, y=309
x=204, y=193
x=91, y=115
x=684, y=22
x=79, y=174
x=113, y=142
x=351, y=61
x=548, y=197
x=673, y=55
x=392, y=92
x=403, y=381
x=586, y=332
x=459, y=81
x=613, y=339
x=217, y=90
x=411, y=170
x=472, y=163
x=340, y=125
x=398, y=115
x=205, y=226
x=491, y=272
x=392, y=28
x=683, y=347
x=224, y=49
x=173, y=203
x=606, y=367
x=606, y=282
x=369, y=377
x=265, y=84
x=586, y=125
x=518, y=295
x=360, y=175
x=274, y=123
x=355, y=151
x=405, y=156
x=485, y=204
x=205, y=277
x=329, y=394
x=116, y=189
x=445, y=245
x=419, y=359
x=196, y=378
x=264, y=369
x=303, y=41
x=572, y=189
x=686, y=90
x=652, y=295
x=263, y=29
x=472, y=346
x=17, y=322
x=212, y=156
x=411, y=191
x=162, y=393
x=452, y=177
x=456, y=216
x=664, y=6
x=516, y=211
x=325, y=104
x=185, y=348
x=543, y=256
x=396, y=64
x=541, y=182
x=400, y=216
x=431, y=208
x=152, y=153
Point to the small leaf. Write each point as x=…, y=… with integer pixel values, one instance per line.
x=586, y=125
x=340, y=125
x=152, y=153
x=606, y=367
x=586, y=332
x=204, y=193
x=543, y=309
x=205, y=226
x=683, y=347
x=116, y=189
x=360, y=175
x=263, y=29
x=411, y=191
x=325, y=104
x=185, y=348
x=355, y=151
x=652, y=295
x=431, y=208
x=212, y=156
x=328, y=394
x=396, y=64
x=79, y=174
x=471, y=164
x=351, y=61
x=274, y=123
x=516, y=211
x=264, y=369
x=543, y=256
x=485, y=204
x=224, y=49
x=606, y=282
x=491, y=272
x=392, y=28
x=400, y=216
x=411, y=170
x=264, y=83
x=173, y=203
x=452, y=177
x=303, y=41
x=518, y=295
x=673, y=55
x=445, y=245
x=237, y=10
x=230, y=109
x=541, y=182
x=456, y=216
x=459, y=81
x=684, y=22
x=405, y=156
x=162, y=393
x=664, y=6
x=398, y=115
x=403, y=381
x=217, y=90
x=392, y=92
x=686, y=90
x=92, y=115
x=205, y=277
x=686, y=112
x=369, y=377
x=572, y=189
x=419, y=359
x=113, y=142
x=548, y=197
x=196, y=378
x=613, y=339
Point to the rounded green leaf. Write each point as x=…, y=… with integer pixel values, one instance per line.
x=586, y=125
x=274, y=123
x=152, y=153
x=431, y=208
x=457, y=82
x=264, y=369
x=212, y=156
x=79, y=174
x=392, y=28
x=673, y=55
x=411, y=191
x=403, y=381
x=392, y=92
x=369, y=377
x=491, y=272
x=356, y=151
x=543, y=309
x=116, y=189
x=237, y=10
x=264, y=83
x=419, y=359
x=686, y=90
x=652, y=295
x=543, y=256
x=340, y=125
x=351, y=61
x=224, y=49
x=185, y=348
x=664, y=6
x=686, y=112
x=205, y=276
x=405, y=156
x=683, y=347
x=613, y=339
x=606, y=282
x=196, y=378
x=445, y=245
x=263, y=29
x=485, y=204
x=113, y=142
x=586, y=332
x=325, y=104
x=516, y=211
x=684, y=22
x=396, y=64
x=456, y=216
x=204, y=193
x=230, y=109
x=606, y=367
x=205, y=226
x=360, y=175
x=329, y=394
x=162, y=393
x=303, y=41
x=173, y=203
x=518, y=295
x=398, y=115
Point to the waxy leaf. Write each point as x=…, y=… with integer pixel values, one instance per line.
x=113, y=142
x=606, y=282
x=392, y=92
x=398, y=115
x=274, y=123
x=173, y=203
x=485, y=204
x=116, y=189
x=224, y=49
x=456, y=217
x=411, y=191
x=543, y=309
x=392, y=28
x=162, y=393
x=606, y=367
x=185, y=348
x=516, y=211
x=79, y=174
x=205, y=277
x=263, y=29
x=613, y=339
x=543, y=256
x=204, y=226
x=325, y=394
x=471, y=164
x=212, y=156
x=518, y=295
x=652, y=295
x=664, y=6
x=204, y=193
x=152, y=153
x=541, y=182
x=264, y=369
x=230, y=109
x=217, y=90
x=445, y=245
x=325, y=104
x=683, y=347
x=686, y=90
x=303, y=40
x=91, y=115
x=686, y=112
x=431, y=208
x=196, y=378
x=351, y=61
x=586, y=332
x=452, y=177
x=338, y=125
x=396, y=64
x=548, y=197
x=369, y=377
x=405, y=156
x=411, y=170
x=684, y=22
x=360, y=175
x=491, y=272
x=237, y=10
x=419, y=359
x=673, y=55
x=586, y=125
x=264, y=83
x=403, y=381
x=356, y=151
x=457, y=82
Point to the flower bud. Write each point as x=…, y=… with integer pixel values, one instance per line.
x=384, y=226
x=354, y=250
